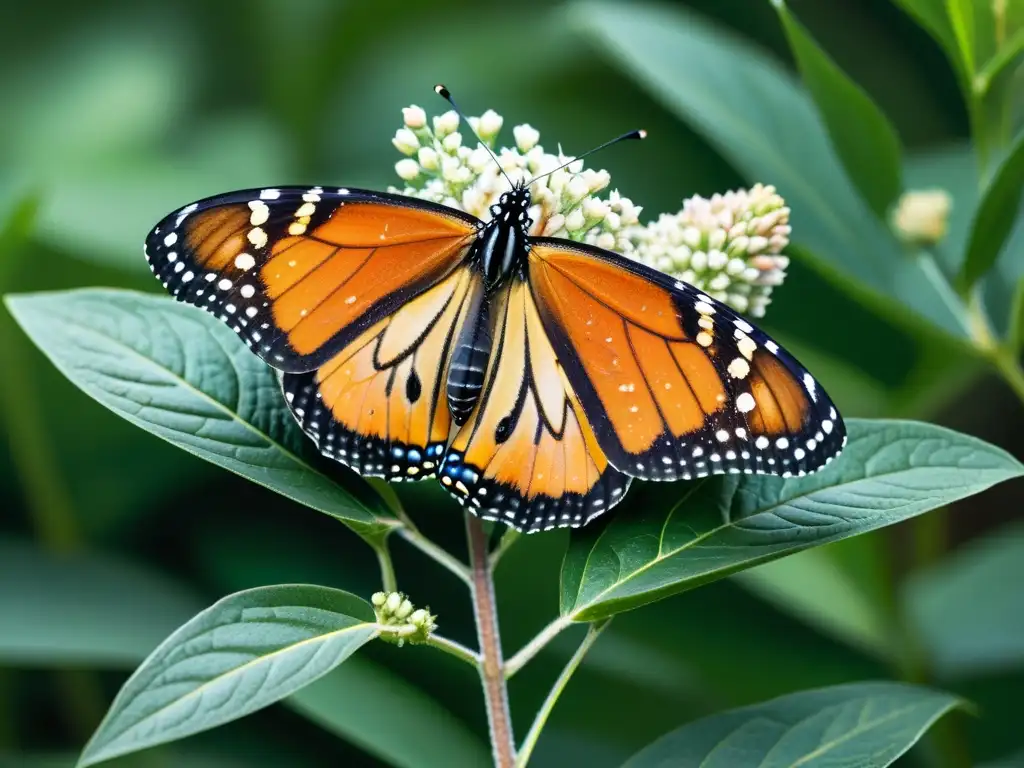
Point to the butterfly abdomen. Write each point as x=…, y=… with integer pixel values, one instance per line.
x=469, y=359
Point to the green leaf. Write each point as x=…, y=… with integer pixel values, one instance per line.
x=837, y=605
x=177, y=372
x=391, y=719
x=996, y=216
x=1006, y=56
x=687, y=534
x=861, y=725
x=750, y=109
x=243, y=653
x=967, y=609
x=961, y=20
x=861, y=134
x=68, y=610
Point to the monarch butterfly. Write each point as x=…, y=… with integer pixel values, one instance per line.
x=534, y=376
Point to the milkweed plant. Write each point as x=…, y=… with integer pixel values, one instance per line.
x=260, y=646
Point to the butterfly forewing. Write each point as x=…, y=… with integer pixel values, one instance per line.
x=299, y=272
x=676, y=384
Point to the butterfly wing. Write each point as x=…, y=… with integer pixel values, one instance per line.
x=676, y=384
x=527, y=455
x=378, y=405
x=301, y=272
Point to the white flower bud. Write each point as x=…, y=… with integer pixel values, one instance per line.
x=595, y=209
x=606, y=240
x=699, y=261
x=735, y=267
x=575, y=221
x=719, y=282
x=757, y=244
x=692, y=237
x=526, y=137
x=554, y=224
x=378, y=598
x=394, y=600
x=738, y=302
x=717, y=239
x=598, y=180
x=407, y=169
x=478, y=160
x=452, y=142
x=577, y=188
x=427, y=157
x=418, y=616
x=664, y=263
x=405, y=141
x=613, y=221
x=717, y=260
x=403, y=610
x=414, y=117
x=490, y=124
x=446, y=123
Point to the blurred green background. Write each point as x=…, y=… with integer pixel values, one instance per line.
x=115, y=112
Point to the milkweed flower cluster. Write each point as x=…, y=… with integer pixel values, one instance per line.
x=413, y=625
x=730, y=246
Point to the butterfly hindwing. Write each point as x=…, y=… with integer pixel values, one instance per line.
x=299, y=272
x=378, y=405
x=676, y=384
x=527, y=455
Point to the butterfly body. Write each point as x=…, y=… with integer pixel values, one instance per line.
x=534, y=377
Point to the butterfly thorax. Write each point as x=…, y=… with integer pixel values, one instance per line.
x=500, y=251
x=503, y=242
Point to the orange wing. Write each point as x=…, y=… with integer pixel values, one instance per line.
x=299, y=273
x=527, y=455
x=676, y=384
x=378, y=405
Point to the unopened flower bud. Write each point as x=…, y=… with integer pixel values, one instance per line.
x=922, y=216
x=414, y=117
x=577, y=188
x=407, y=169
x=595, y=209
x=526, y=137
x=405, y=141
x=403, y=610
x=446, y=123
x=427, y=157
x=378, y=598
x=452, y=142
x=394, y=600
x=575, y=221
x=489, y=125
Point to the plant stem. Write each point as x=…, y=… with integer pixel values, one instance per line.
x=457, y=650
x=387, y=568
x=1009, y=368
x=556, y=690
x=412, y=535
x=523, y=656
x=492, y=673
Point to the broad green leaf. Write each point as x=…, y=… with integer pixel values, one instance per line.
x=177, y=372
x=685, y=535
x=996, y=216
x=239, y=655
x=862, y=136
x=860, y=725
x=148, y=760
x=961, y=20
x=389, y=718
x=87, y=609
x=968, y=609
x=814, y=588
x=752, y=111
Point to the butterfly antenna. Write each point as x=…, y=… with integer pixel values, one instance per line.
x=445, y=94
x=639, y=133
